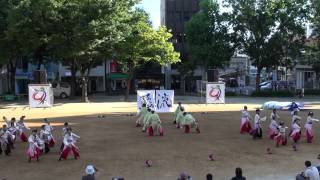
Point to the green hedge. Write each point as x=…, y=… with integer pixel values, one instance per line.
x=272, y=94
x=231, y=94
x=312, y=92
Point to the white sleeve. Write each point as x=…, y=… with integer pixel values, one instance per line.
x=26, y=126
x=30, y=139
x=256, y=118
x=65, y=140
x=74, y=135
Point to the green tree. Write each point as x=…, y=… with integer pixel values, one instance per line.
x=32, y=23
x=87, y=33
x=313, y=47
x=269, y=30
x=144, y=44
x=10, y=49
x=208, y=39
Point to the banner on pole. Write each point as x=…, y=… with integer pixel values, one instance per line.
x=215, y=93
x=157, y=100
x=40, y=95
x=164, y=100
x=146, y=97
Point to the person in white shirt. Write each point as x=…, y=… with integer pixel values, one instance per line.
x=296, y=131
x=293, y=119
x=64, y=132
x=272, y=130
x=245, y=126
x=308, y=127
x=311, y=173
x=69, y=142
x=281, y=138
x=44, y=136
x=257, y=130
x=34, y=149
x=5, y=140
x=274, y=115
x=20, y=129
x=49, y=129
x=12, y=129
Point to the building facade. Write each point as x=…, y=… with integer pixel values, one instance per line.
x=174, y=15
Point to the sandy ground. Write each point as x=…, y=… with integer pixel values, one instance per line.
x=117, y=148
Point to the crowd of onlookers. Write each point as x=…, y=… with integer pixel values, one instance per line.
x=310, y=173
x=91, y=170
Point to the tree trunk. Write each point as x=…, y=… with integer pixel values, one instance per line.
x=39, y=56
x=84, y=82
x=126, y=98
x=12, y=69
x=130, y=75
x=258, y=79
x=12, y=80
x=8, y=79
x=73, y=78
x=183, y=85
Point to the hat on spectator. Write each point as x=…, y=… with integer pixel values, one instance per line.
x=90, y=170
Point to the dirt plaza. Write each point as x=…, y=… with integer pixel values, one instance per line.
x=117, y=148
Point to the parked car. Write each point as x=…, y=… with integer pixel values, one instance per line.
x=61, y=89
x=266, y=85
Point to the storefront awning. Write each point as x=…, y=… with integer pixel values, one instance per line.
x=115, y=76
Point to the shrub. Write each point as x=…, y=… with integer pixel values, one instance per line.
x=312, y=92
x=229, y=93
x=272, y=93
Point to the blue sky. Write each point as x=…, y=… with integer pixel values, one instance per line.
x=153, y=8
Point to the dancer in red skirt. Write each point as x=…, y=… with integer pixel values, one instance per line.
x=308, y=126
x=5, y=140
x=34, y=149
x=176, y=112
x=273, y=127
x=69, y=142
x=141, y=115
x=257, y=128
x=44, y=136
x=293, y=119
x=179, y=117
x=189, y=122
x=153, y=124
x=11, y=131
x=245, y=126
x=64, y=132
x=281, y=138
x=296, y=131
x=12, y=128
x=20, y=129
x=49, y=129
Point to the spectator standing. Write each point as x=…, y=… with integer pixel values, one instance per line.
x=238, y=175
x=209, y=176
x=90, y=171
x=311, y=173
